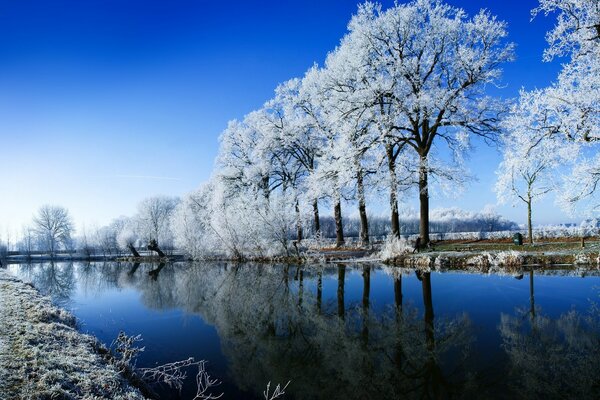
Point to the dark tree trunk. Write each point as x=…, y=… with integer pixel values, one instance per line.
x=339, y=227
x=340, y=290
x=317, y=222
x=133, y=250
x=424, y=202
x=153, y=246
x=265, y=187
x=529, y=225
x=362, y=209
x=389, y=152
x=299, y=231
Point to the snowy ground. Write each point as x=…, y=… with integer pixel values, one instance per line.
x=42, y=355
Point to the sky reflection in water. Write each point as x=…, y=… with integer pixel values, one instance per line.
x=348, y=331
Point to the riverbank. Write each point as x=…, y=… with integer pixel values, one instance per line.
x=495, y=258
x=42, y=355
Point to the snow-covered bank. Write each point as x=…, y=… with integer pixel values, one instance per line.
x=42, y=355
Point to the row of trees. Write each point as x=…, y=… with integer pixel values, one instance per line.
x=157, y=219
x=405, y=87
x=393, y=110
x=52, y=229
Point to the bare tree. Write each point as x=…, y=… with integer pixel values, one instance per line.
x=54, y=226
x=154, y=215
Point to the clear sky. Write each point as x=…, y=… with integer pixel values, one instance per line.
x=105, y=102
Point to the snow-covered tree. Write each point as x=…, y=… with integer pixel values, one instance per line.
x=423, y=67
x=154, y=219
x=293, y=129
x=334, y=89
x=530, y=159
x=572, y=103
x=54, y=226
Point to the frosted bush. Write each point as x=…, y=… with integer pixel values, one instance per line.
x=394, y=247
x=582, y=258
x=480, y=260
x=508, y=258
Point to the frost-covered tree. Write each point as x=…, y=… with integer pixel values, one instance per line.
x=423, y=67
x=334, y=88
x=293, y=128
x=54, y=227
x=530, y=160
x=127, y=237
x=572, y=103
x=154, y=219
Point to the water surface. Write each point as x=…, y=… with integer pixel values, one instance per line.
x=345, y=331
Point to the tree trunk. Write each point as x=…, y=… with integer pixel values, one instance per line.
x=265, y=187
x=133, y=250
x=424, y=202
x=339, y=228
x=153, y=246
x=362, y=209
x=389, y=152
x=529, y=226
x=317, y=222
x=299, y=232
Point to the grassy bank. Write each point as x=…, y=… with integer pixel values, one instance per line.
x=43, y=356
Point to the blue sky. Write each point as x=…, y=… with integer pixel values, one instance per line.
x=104, y=103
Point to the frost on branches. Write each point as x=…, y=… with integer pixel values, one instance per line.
x=570, y=107
x=530, y=161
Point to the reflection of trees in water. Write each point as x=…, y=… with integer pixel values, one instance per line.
x=56, y=280
x=275, y=326
x=552, y=358
x=279, y=323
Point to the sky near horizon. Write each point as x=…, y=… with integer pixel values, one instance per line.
x=106, y=102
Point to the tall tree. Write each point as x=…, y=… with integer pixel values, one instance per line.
x=154, y=219
x=572, y=103
x=424, y=66
x=54, y=226
x=530, y=163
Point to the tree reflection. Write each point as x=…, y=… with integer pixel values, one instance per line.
x=56, y=280
x=271, y=333
x=280, y=323
x=552, y=358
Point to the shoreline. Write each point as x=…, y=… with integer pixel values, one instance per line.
x=526, y=257
x=43, y=355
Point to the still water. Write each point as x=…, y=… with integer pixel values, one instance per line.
x=345, y=331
